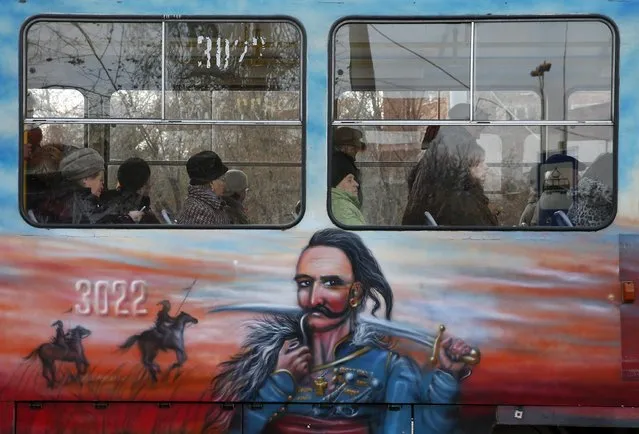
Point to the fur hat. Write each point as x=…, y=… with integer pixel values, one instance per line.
x=82, y=163
x=204, y=167
x=133, y=174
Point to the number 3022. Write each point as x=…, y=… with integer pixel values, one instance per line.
x=117, y=297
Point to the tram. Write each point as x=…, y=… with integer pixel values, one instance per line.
x=319, y=216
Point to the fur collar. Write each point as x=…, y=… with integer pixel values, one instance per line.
x=240, y=377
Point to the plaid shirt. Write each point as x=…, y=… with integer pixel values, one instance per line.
x=203, y=207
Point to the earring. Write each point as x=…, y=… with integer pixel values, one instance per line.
x=354, y=302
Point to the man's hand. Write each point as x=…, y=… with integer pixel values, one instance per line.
x=450, y=354
x=295, y=360
x=136, y=216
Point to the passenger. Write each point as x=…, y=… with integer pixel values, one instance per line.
x=42, y=177
x=235, y=192
x=32, y=142
x=593, y=205
x=448, y=183
x=348, y=142
x=203, y=205
x=345, y=204
x=529, y=217
x=126, y=201
x=557, y=189
x=76, y=199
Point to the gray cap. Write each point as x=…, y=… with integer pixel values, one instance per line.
x=236, y=182
x=80, y=164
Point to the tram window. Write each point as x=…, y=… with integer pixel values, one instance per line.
x=472, y=126
x=589, y=105
x=231, y=87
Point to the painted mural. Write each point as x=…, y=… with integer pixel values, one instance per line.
x=323, y=327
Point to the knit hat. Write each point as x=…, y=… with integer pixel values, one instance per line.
x=80, y=164
x=133, y=174
x=341, y=167
x=236, y=182
x=204, y=167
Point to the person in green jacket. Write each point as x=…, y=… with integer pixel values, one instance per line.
x=345, y=204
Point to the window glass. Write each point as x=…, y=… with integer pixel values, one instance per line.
x=551, y=57
x=369, y=84
x=524, y=152
x=96, y=59
x=589, y=105
x=261, y=61
x=229, y=110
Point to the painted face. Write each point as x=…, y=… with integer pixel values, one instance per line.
x=96, y=184
x=349, y=184
x=324, y=281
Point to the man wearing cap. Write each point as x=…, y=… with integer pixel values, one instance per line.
x=348, y=142
x=234, y=196
x=204, y=204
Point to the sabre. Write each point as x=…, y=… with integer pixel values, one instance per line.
x=382, y=326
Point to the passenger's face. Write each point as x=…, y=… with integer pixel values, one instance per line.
x=218, y=187
x=96, y=183
x=324, y=279
x=480, y=171
x=349, y=185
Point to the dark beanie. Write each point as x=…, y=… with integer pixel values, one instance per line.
x=341, y=167
x=204, y=167
x=133, y=174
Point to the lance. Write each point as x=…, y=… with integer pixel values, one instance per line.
x=189, y=288
x=378, y=325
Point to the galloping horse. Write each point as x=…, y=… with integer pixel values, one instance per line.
x=151, y=341
x=50, y=352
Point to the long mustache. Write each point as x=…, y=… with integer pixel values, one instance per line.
x=322, y=309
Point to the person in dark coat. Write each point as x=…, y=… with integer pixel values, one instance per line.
x=129, y=197
x=42, y=176
x=76, y=199
x=448, y=181
x=204, y=204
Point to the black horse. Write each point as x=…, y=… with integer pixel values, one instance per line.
x=151, y=341
x=50, y=352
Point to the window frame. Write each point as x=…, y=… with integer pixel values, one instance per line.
x=334, y=122
x=163, y=120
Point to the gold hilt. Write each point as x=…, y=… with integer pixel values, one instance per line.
x=472, y=358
